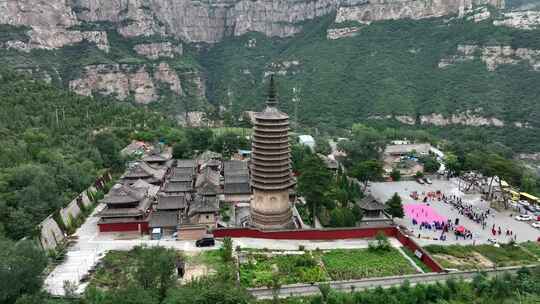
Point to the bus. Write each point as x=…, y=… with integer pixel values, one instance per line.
x=529, y=198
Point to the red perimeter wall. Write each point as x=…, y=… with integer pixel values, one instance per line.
x=331, y=234
x=413, y=246
x=124, y=227
x=315, y=234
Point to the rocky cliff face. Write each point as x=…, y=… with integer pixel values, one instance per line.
x=155, y=51
x=494, y=56
x=53, y=24
x=375, y=10
x=207, y=21
x=465, y=119
x=50, y=24
x=140, y=81
x=204, y=21
x=526, y=20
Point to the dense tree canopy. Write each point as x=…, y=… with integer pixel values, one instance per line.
x=54, y=144
x=21, y=265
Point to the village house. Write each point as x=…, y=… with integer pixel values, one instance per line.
x=177, y=188
x=143, y=171
x=236, y=186
x=163, y=223
x=371, y=208
x=203, y=210
x=406, y=149
x=176, y=203
x=159, y=157
x=127, y=209
x=206, y=157
x=181, y=175
x=186, y=163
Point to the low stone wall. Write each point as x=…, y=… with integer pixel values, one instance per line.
x=50, y=234
x=415, y=248
x=70, y=212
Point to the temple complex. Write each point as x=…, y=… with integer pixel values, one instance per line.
x=271, y=174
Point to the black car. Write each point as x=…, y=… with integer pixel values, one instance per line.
x=205, y=242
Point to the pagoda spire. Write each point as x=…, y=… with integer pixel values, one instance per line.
x=272, y=100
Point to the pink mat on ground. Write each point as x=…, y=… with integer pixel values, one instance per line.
x=422, y=213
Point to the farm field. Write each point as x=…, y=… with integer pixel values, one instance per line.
x=257, y=269
x=532, y=247
x=365, y=263
x=482, y=256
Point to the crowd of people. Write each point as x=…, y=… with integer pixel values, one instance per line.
x=475, y=214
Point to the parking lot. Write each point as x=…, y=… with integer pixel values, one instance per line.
x=523, y=231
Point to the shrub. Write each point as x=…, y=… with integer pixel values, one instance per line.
x=226, y=250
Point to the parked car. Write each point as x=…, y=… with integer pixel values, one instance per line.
x=428, y=181
x=420, y=181
x=492, y=241
x=536, y=225
x=524, y=217
x=524, y=203
x=205, y=242
x=529, y=208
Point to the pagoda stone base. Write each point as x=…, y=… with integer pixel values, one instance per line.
x=271, y=210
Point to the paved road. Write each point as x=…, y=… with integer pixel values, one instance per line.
x=358, y=285
x=91, y=246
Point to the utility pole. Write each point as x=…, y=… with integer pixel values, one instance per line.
x=296, y=101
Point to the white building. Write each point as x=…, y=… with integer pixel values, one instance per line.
x=307, y=140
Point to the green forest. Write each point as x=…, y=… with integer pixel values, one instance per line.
x=390, y=67
x=54, y=145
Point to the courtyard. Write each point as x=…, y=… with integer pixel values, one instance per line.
x=435, y=209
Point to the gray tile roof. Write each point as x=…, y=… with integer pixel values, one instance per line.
x=235, y=165
x=156, y=155
x=208, y=176
x=177, y=187
x=142, y=170
x=171, y=202
x=236, y=179
x=201, y=204
x=139, y=210
x=239, y=188
x=160, y=219
x=124, y=194
x=208, y=155
x=371, y=204
x=186, y=163
x=207, y=189
x=181, y=175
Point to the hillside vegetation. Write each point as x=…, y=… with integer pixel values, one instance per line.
x=388, y=68
x=54, y=144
